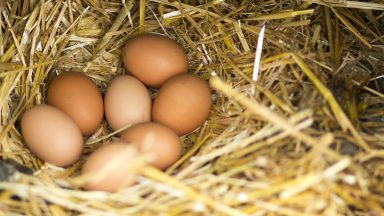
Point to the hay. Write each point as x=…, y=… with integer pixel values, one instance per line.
x=306, y=139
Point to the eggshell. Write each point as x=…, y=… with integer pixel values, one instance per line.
x=183, y=103
x=79, y=97
x=108, y=168
x=157, y=140
x=127, y=101
x=52, y=135
x=154, y=59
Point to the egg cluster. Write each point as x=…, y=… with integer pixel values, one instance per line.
x=75, y=108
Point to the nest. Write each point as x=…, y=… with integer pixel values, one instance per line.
x=304, y=138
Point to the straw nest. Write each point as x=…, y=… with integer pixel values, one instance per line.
x=306, y=138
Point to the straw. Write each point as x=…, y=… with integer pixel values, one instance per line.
x=306, y=138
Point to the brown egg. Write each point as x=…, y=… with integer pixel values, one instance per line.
x=52, y=135
x=127, y=102
x=154, y=59
x=78, y=96
x=157, y=140
x=108, y=168
x=183, y=103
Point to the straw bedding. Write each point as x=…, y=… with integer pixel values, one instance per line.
x=306, y=138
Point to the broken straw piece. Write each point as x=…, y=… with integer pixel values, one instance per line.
x=259, y=48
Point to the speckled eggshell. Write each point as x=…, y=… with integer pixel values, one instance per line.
x=107, y=169
x=79, y=97
x=127, y=102
x=182, y=104
x=156, y=139
x=154, y=59
x=52, y=135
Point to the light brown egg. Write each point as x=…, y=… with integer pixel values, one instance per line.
x=108, y=168
x=154, y=59
x=155, y=139
x=52, y=135
x=78, y=96
x=127, y=102
x=183, y=103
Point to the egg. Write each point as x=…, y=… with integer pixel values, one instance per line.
x=156, y=139
x=108, y=168
x=127, y=102
x=79, y=97
x=52, y=135
x=182, y=104
x=154, y=59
